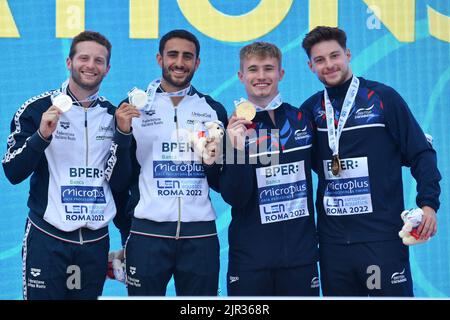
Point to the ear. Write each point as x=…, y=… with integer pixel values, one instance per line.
x=197, y=63
x=241, y=76
x=107, y=70
x=68, y=63
x=159, y=59
x=281, y=74
x=311, y=66
x=348, y=54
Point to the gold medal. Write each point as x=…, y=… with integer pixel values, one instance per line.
x=246, y=110
x=335, y=165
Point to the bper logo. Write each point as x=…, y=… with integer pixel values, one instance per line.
x=281, y=170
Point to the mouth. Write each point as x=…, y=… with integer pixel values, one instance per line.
x=89, y=74
x=331, y=73
x=178, y=72
x=261, y=85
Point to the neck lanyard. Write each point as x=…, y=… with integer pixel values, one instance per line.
x=153, y=87
x=333, y=134
x=65, y=90
x=272, y=105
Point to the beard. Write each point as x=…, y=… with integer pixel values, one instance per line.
x=88, y=86
x=343, y=76
x=174, y=82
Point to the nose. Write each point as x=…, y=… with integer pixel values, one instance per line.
x=261, y=74
x=328, y=63
x=179, y=61
x=90, y=63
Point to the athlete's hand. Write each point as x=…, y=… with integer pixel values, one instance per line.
x=212, y=151
x=124, y=114
x=49, y=121
x=428, y=226
x=237, y=131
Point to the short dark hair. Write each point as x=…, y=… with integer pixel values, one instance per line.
x=324, y=33
x=260, y=49
x=90, y=36
x=182, y=34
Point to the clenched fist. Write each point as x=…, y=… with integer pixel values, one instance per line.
x=124, y=114
x=49, y=121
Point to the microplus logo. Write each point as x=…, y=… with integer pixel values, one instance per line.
x=82, y=194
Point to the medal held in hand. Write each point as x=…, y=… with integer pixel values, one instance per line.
x=138, y=98
x=246, y=110
x=63, y=102
x=335, y=165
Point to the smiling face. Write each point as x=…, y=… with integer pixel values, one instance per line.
x=178, y=63
x=330, y=62
x=260, y=76
x=88, y=66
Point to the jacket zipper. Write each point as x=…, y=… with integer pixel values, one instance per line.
x=86, y=133
x=177, y=235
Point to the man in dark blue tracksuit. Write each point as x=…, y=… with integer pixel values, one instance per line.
x=267, y=181
x=365, y=134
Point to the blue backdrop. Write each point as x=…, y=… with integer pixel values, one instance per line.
x=404, y=44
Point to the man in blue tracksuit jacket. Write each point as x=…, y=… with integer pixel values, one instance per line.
x=66, y=242
x=267, y=181
x=365, y=134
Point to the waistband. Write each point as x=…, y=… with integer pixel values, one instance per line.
x=79, y=236
x=198, y=229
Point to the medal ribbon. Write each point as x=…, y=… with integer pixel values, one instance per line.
x=153, y=87
x=333, y=134
x=272, y=105
x=90, y=98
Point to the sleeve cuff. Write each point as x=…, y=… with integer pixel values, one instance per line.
x=39, y=143
x=123, y=139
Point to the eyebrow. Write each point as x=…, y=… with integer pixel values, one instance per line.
x=177, y=52
x=264, y=66
x=331, y=53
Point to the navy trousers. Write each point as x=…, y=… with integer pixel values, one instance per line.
x=297, y=281
x=366, y=269
x=152, y=261
x=61, y=270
